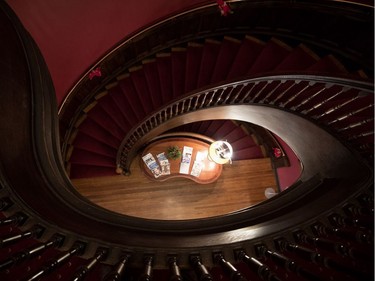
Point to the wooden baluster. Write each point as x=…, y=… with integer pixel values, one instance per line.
x=174, y=269
x=199, y=268
x=56, y=241
x=285, y=262
x=5, y=204
x=306, y=100
x=329, y=98
x=262, y=270
x=323, y=243
x=331, y=263
x=367, y=200
x=101, y=253
x=361, y=222
x=279, y=83
x=17, y=219
x=228, y=268
x=211, y=101
x=259, y=92
x=117, y=273
x=235, y=99
x=147, y=271
x=201, y=100
x=220, y=95
x=229, y=95
x=77, y=249
x=357, y=236
x=352, y=210
x=248, y=93
x=336, y=107
x=353, y=234
x=292, y=84
x=36, y=232
x=296, y=95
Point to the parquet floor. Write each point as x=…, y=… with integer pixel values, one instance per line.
x=240, y=185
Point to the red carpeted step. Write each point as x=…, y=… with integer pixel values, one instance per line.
x=89, y=171
x=204, y=126
x=225, y=129
x=242, y=143
x=193, y=60
x=100, y=117
x=272, y=54
x=163, y=62
x=253, y=152
x=111, y=108
x=178, y=63
x=150, y=69
x=329, y=65
x=93, y=130
x=246, y=56
x=299, y=59
x=88, y=143
x=210, y=52
x=214, y=126
x=130, y=95
x=140, y=84
x=127, y=115
x=84, y=157
x=228, y=51
x=194, y=127
x=235, y=134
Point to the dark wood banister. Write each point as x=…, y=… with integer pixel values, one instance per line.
x=32, y=175
x=221, y=95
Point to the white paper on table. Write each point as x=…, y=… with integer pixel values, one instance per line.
x=201, y=155
x=187, y=153
x=197, y=169
x=184, y=168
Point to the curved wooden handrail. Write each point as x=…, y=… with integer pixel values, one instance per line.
x=32, y=175
x=234, y=93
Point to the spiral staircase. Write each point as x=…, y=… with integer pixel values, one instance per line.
x=320, y=229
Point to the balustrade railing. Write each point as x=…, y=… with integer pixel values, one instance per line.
x=276, y=91
x=76, y=249
x=16, y=219
x=36, y=232
x=32, y=252
x=101, y=253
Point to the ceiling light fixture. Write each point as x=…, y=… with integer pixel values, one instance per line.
x=220, y=152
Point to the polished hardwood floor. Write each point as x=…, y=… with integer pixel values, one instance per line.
x=241, y=184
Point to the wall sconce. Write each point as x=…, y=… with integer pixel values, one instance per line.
x=220, y=152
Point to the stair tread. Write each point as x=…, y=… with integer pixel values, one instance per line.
x=210, y=51
x=271, y=55
x=246, y=56
x=227, y=53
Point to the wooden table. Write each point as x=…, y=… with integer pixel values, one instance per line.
x=210, y=172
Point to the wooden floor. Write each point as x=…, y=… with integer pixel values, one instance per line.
x=241, y=185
